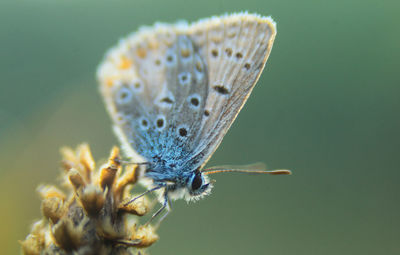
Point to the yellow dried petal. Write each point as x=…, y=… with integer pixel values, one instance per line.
x=107, y=229
x=76, y=179
x=85, y=157
x=108, y=171
x=32, y=245
x=114, y=158
x=107, y=176
x=129, y=177
x=68, y=154
x=91, y=219
x=53, y=208
x=146, y=235
x=92, y=199
x=48, y=191
x=66, y=235
x=138, y=207
x=67, y=164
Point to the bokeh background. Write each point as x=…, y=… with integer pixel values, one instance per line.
x=327, y=107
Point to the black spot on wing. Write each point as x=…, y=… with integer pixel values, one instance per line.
x=221, y=89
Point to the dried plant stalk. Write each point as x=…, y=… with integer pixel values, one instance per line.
x=91, y=218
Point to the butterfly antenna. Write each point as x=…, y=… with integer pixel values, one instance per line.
x=258, y=168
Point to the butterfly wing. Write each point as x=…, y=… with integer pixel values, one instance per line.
x=235, y=48
x=154, y=84
x=174, y=90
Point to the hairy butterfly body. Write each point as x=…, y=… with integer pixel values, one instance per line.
x=173, y=91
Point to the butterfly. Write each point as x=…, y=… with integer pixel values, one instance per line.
x=173, y=91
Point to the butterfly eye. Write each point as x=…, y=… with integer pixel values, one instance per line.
x=197, y=181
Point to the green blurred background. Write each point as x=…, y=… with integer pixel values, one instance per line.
x=327, y=107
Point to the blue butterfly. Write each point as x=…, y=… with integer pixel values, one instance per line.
x=173, y=91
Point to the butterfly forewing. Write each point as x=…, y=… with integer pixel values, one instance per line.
x=236, y=49
x=174, y=90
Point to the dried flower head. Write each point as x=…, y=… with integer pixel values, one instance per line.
x=92, y=217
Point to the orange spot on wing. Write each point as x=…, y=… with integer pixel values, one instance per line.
x=185, y=53
x=125, y=63
x=153, y=45
x=110, y=82
x=141, y=52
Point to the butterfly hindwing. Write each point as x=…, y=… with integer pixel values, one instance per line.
x=155, y=84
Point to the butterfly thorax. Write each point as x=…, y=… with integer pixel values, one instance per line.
x=179, y=183
x=160, y=172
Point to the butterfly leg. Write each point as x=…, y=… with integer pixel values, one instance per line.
x=168, y=210
x=145, y=193
x=166, y=205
